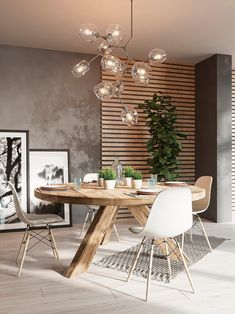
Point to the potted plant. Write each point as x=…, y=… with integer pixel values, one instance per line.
x=137, y=179
x=164, y=145
x=128, y=174
x=109, y=176
x=101, y=177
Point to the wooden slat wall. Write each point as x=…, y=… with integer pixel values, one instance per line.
x=129, y=143
x=233, y=140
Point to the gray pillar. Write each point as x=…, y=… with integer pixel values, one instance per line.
x=214, y=132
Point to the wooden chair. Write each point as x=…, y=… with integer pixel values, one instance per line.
x=32, y=221
x=201, y=205
x=170, y=216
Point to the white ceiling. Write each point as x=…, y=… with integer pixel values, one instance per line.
x=189, y=30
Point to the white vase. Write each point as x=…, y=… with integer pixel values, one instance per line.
x=128, y=181
x=101, y=182
x=109, y=184
x=137, y=184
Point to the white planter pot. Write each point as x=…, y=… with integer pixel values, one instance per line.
x=137, y=184
x=127, y=181
x=109, y=184
x=101, y=182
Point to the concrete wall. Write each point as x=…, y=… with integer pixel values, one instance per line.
x=213, y=132
x=39, y=93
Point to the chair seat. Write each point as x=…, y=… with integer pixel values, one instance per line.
x=43, y=218
x=195, y=211
x=136, y=230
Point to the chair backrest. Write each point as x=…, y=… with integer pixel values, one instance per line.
x=90, y=177
x=171, y=214
x=19, y=211
x=204, y=182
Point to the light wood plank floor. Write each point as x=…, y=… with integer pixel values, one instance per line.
x=42, y=289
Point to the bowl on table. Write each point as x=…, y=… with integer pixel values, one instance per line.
x=148, y=191
x=175, y=183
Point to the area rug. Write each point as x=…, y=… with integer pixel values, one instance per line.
x=123, y=261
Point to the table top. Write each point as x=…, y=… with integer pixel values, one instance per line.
x=91, y=194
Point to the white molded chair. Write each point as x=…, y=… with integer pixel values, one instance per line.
x=169, y=217
x=32, y=221
x=92, y=209
x=201, y=206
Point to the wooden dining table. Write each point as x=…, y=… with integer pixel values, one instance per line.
x=109, y=201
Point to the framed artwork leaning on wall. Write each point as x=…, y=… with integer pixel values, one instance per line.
x=14, y=156
x=49, y=166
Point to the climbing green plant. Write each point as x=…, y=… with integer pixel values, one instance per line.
x=164, y=145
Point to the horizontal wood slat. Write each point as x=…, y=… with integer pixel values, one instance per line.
x=129, y=143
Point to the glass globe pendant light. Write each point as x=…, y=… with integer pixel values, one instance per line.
x=157, y=56
x=118, y=88
x=141, y=73
x=112, y=64
x=115, y=34
x=129, y=115
x=112, y=39
x=104, y=48
x=81, y=68
x=89, y=32
x=104, y=90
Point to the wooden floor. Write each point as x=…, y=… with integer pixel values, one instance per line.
x=42, y=289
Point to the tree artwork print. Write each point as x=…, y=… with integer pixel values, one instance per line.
x=49, y=167
x=12, y=166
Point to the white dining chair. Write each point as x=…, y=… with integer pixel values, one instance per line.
x=169, y=217
x=200, y=206
x=92, y=209
x=34, y=223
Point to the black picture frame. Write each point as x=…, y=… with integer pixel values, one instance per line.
x=16, y=142
x=49, y=156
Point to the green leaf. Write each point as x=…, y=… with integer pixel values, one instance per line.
x=163, y=146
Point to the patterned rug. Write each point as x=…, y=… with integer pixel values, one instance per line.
x=123, y=261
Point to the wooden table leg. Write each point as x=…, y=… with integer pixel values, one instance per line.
x=109, y=230
x=91, y=241
x=140, y=213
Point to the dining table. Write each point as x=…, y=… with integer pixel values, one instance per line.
x=108, y=201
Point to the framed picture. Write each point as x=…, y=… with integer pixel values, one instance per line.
x=14, y=168
x=48, y=166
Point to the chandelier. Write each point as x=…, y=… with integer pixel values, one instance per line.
x=111, y=40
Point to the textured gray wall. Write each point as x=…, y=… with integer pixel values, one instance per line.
x=213, y=132
x=39, y=93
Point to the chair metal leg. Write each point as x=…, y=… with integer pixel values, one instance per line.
x=168, y=259
x=191, y=235
x=186, y=256
x=115, y=230
x=185, y=266
x=182, y=247
x=21, y=246
x=26, y=243
x=204, y=232
x=54, y=247
x=93, y=214
x=150, y=270
x=86, y=220
x=51, y=242
x=182, y=241
x=136, y=259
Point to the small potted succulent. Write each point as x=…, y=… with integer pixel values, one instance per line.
x=128, y=174
x=101, y=177
x=109, y=176
x=137, y=179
